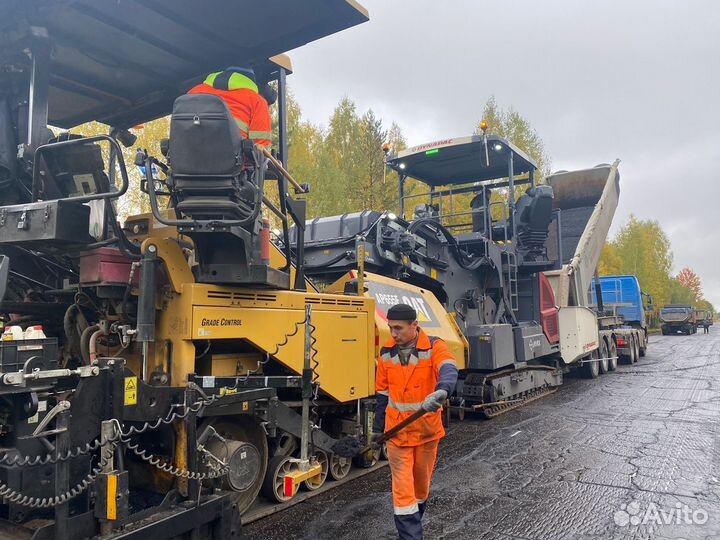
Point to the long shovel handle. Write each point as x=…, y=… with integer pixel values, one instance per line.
x=389, y=434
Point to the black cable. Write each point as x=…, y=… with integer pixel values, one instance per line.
x=332, y=261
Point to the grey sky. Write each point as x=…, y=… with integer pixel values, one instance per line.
x=638, y=80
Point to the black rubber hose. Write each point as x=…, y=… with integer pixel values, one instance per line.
x=73, y=320
x=332, y=261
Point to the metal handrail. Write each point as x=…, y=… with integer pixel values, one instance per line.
x=77, y=142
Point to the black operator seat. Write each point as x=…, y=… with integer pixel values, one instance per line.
x=206, y=160
x=533, y=213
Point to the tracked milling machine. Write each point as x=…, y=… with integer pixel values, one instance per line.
x=188, y=363
x=505, y=282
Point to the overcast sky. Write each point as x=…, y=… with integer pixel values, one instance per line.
x=635, y=80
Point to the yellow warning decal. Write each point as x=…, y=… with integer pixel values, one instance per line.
x=131, y=386
x=112, y=492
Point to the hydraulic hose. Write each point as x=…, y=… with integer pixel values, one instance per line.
x=84, y=342
x=460, y=255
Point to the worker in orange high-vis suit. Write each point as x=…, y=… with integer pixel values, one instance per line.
x=237, y=87
x=414, y=371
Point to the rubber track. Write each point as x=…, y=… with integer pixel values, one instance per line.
x=526, y=397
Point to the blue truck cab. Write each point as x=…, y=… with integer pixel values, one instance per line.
x=622, y=294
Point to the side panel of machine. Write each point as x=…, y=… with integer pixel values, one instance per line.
x=578, y=333
x=597, y=188
x=342, y=330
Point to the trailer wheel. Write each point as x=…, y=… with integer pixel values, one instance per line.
x=636, y=346
x=591, y=370
x=603, y=364
x=612, y=353
x=630, y=358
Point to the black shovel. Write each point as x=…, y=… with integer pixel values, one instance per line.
x=352, y=446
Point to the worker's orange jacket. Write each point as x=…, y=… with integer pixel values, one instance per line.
x=250, y=110
x=407, y=386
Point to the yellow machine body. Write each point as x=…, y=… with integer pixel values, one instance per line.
x=432, y=316
x=248, y=324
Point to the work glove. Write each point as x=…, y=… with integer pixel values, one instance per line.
x=434, y=402
x=375, y=443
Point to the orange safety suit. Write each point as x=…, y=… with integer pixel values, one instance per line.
x=248, y=107
x=413, y=451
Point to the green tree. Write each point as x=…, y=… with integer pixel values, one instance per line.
x=511, y=125
x=681, y=294
x=645, y=251
x=149, y=136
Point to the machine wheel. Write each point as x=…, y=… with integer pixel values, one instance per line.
x=384, y=452
x=612, y=352
x=603, y=364
x=273, y=487
x=643, y=347
x=245, y=430
x=591, y=370
x=317, y=482
x=339, y=467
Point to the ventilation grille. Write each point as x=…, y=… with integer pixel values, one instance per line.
x=334, y=301
x=237, y=295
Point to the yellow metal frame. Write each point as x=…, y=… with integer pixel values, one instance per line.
x=292, y=480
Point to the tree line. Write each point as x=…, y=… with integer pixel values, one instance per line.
x=642, y=248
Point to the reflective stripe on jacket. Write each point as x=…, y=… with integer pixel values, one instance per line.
x=407, y=386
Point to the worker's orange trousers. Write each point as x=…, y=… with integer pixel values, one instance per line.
x=412, y=469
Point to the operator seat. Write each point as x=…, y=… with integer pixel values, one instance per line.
x=426, y=211
x=206, y=153
x=478, y=207
x=533, y=214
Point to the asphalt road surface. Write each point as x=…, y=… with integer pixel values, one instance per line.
x=633, y=454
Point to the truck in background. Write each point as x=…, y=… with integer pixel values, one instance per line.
x=702, y=315
x=678, y=318
x=621, y=296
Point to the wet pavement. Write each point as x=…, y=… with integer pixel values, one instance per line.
x=633, y=454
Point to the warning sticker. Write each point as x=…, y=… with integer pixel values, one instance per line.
x=131, y=389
